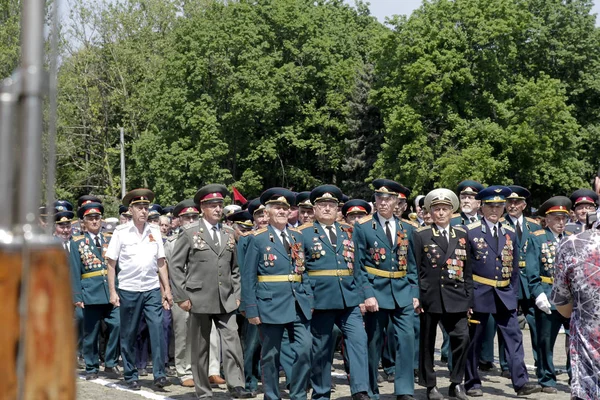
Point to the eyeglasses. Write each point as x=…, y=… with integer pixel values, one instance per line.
x=92, y=218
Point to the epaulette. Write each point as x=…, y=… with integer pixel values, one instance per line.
x=539, y=232
x=412, y=223
x=455, y=215
x=423, y=228
x=474, y=225
x=502, y=219
x=122, y=226
x=294, y=230
x=365, y=219
x=345, y=224
x=508, y=227
x=227, y=228
x=459, y=228
x=193, y=225
x=172, y=238
x=533, y=220
x=76, y=238
x=304, y=226
x=259, y=231
x=246, y=233
x=568, y=233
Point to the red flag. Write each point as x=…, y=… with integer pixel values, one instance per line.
x=237, y=197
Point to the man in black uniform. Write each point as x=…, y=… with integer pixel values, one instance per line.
x=446, y=290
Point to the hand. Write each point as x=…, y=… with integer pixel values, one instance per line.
x=168, y=297
x=312, y=310
x=363, y=309
x=238, y=302
x=254, y=321
x=114, y=299
x=371, y=304
x=469, y=312
x=185, y=305
x=543, y=304
x=80, y=304
x=166, y=305
x=416, y=305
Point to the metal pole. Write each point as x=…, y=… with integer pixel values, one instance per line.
x=8, y=100
x=32, y=57
x=123, y=183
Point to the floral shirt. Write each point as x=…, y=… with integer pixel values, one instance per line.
x=577, y=280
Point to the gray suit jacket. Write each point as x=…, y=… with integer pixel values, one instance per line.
x=199, y=272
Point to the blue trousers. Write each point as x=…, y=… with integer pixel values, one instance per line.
x=133, y=306
x=528, y=308
x=300, y=343
x=508, y=326
x=403, y=331
x=79, y=328
x=548, y=326
x=93, y=315
x=350, y=322
x=143, y=336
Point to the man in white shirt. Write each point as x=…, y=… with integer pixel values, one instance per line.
x=138, y=248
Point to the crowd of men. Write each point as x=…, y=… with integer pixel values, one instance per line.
x=273, y=287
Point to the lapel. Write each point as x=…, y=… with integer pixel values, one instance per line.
x=502, y=240
x=491, y=241
x=339, y=232
x=323, y=236
x=207, y=235
x=452, y=242
x=380, y=232
x=276, y=241
x=224, y=239
x=437, y=237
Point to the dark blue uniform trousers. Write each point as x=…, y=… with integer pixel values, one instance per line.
x=133, y=306
x=404, y=335
x=508, y=326
x=141, y=351
x=79, y=328
x=350, y=322
x=300, y=342
x=527, y=307
x=93, y=314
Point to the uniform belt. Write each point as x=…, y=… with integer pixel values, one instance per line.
x=547, y=279
x=522, y=264
x=280, y=278
x=491, y=282
x=386, y=274
x=93, y=274
x=330, y=272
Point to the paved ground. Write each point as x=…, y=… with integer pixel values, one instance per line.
x=495, y=387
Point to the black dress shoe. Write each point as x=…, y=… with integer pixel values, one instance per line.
x=549, y=389
x=360, y=396
x=161, y=382
x=113, y=372
x=239, y=392
x=457, y=392
x=405, y=397
x=475, y=392
x=132, y=385
x=505, y=374
x=528, y=388
x=434, y=394
x=486, y=366
x=91, y=376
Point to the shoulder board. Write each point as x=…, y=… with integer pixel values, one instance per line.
x=502, y=219
x=508, y=227
x=172, y=238
x=122, y=226
x=294, y=230
x=247, y=233
x=539, y=232
x=532, y=220
x=193, y=225
x=365, y=219
x=455, y=215
x=474, y=225
x=423, y=228
x=304, y=226
x=345, y=224
x=76, y=238
x=259, y=231
x=459, y=228
x=569, y=233
x=227, y=228
x=408, y=221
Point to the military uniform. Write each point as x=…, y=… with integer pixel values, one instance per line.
x=578, y=198
x=495, y=265
x=275, y=288
x=329, y=254
x=388, y=273
x=90, y=287
x=541, y=259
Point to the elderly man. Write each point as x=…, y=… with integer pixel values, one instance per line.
x=306, y=215
x=139, y=250
x=277, y=295
x=206, y=282
x=446, y=290
x=584, y=201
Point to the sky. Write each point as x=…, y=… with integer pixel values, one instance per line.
x=386, y=8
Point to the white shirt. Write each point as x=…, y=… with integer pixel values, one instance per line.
x=447, y=230
x=475, y=217
x=93, y=237
x=278, y=234
x=392, y=224
x=491, y=226
x=211, y=232
x=137, y=255
x=327, y=231
x=516, y=221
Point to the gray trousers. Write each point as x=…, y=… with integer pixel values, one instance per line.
x=233, y=366
x=183, y=343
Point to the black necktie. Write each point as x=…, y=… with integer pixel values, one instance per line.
x=519, y=230
x=97, y=242
x=495, y=234
x=472, y=219
x=332, y=235
x=560, y=237
x=388, y=233
x=216, y=238
x=445, y=235
x=286, y=244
